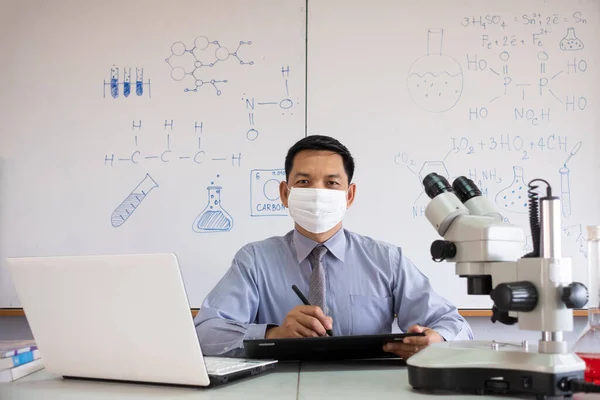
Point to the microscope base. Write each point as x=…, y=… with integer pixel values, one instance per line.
x=477, y=367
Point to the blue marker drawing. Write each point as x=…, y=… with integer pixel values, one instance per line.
x=213, y=218
x=285, y=104
x=205, y=53
x=435, y=81
x=114, y=82
x=127, y=82
x=264, y=193
x=565, y=184
x=514, y=198
x=131, y=203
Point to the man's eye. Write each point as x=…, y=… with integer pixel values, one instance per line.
x=332, y=183
x=302, y=182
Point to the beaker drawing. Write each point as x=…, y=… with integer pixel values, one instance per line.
x=435, y=81
x=213, y=218
x=570, y=42
x=132, y=201
x=565, y=191
x=513, y=198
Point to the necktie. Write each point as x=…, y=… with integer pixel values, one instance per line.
x=316, y=294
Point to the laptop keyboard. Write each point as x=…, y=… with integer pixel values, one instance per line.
x=220, y=365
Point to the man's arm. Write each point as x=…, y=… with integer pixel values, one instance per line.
x=416, y=303
x=228, y=313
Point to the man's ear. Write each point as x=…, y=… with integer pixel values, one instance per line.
x=284, y=193
x=351, y=194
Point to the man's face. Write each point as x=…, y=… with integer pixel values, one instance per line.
x=317, y=169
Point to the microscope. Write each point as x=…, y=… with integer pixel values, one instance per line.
x=534, y=290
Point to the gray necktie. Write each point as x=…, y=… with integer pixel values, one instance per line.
x=316, y=294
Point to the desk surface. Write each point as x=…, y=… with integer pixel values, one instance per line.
x=350, y=380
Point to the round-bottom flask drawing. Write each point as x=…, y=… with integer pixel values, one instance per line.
x=514, y=197
x=213, y=218
x=435, y=81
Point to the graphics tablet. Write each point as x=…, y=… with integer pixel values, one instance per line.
x=323, y=348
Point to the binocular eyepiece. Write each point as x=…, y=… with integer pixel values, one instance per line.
x=463, y=187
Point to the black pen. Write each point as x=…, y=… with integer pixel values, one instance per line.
x=307, y=303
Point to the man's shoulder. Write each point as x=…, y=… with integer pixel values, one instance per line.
x=369, y=243
x=268, y=244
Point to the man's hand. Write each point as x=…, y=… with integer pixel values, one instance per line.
x=411, y=345
x=302, y=321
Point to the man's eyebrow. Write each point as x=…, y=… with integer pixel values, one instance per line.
x=333, y=176
x=301, y=174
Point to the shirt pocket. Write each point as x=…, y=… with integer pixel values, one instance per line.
x=371, y=315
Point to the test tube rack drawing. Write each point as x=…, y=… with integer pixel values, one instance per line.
x=205, y=53
x=113, y=84
x=132, y=202
x=565, y=184
x=213, y=218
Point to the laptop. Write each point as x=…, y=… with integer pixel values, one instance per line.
x=118, y=317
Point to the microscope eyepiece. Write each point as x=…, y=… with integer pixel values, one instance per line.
x=465, y=188
x=435, y=184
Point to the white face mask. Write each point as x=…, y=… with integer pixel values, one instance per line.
x=317, y=210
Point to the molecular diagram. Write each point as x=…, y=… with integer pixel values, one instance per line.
x=204, y=54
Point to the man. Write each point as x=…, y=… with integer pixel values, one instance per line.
x=355, y=284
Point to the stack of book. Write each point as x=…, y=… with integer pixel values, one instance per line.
x=18, y=358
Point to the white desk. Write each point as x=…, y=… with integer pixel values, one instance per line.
x=379, y=380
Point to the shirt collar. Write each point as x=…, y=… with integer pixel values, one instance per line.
x=335, y=244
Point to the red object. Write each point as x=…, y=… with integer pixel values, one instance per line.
x=592, y=367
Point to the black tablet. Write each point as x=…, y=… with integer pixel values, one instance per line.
x=323, y=348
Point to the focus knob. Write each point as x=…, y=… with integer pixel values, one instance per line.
x=575, y=295
x=442, y=249
x=515, y=296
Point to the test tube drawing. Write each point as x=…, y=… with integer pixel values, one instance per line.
x=139, y=81
x=565, y=191
x=565, y=184
x=127, y=82
x=132, y=201
x=114, y=82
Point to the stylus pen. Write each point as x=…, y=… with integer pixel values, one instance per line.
x=307, y=303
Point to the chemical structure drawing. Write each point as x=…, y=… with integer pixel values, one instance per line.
x=285, y=104
x=435, y=81
x=565, y=184
x=543, y=85
x=196, y=155
x=213, y=217
x=264, y=193
x=191, y=62
x=438, y=167
x=575, y=232
x=570, y=42
x=132, y=202
x=514, y=198
x=127, y=83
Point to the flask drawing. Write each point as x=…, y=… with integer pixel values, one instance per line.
x=570, y=42
x=131, y=203
x=213, y=218
x=435, y=81
x=513, y=198
x=565, y=191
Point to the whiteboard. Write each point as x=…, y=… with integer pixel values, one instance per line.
x=501, y=92
x=124, y=123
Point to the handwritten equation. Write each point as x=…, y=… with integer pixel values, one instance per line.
x=529, y=19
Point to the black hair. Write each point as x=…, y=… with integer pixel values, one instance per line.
x=319, y=142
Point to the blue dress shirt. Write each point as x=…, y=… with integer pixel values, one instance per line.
x=368, y=282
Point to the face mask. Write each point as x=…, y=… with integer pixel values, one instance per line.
x=317, y=210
